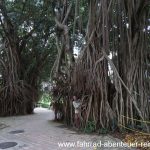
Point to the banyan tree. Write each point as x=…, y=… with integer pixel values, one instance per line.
x=111, y=72
x=25, y=47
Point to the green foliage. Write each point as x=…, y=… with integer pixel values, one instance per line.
x=103, y=131
x=34, y=26
x=90, y=127
x=45, y=100
x=43, y=105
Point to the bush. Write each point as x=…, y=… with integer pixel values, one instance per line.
x=103, y=131
x=45, y=100
x=90, y=127
x=44, y=105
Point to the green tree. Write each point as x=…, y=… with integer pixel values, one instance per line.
x=26, y=38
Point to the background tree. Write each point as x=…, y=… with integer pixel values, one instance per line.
x=26, y=46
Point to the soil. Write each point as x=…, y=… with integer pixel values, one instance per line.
x=134, y=137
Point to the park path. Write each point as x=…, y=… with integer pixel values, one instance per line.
x=39, y=132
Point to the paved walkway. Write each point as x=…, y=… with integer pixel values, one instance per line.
x=39, y=132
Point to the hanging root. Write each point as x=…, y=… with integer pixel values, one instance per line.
x=17, y=99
